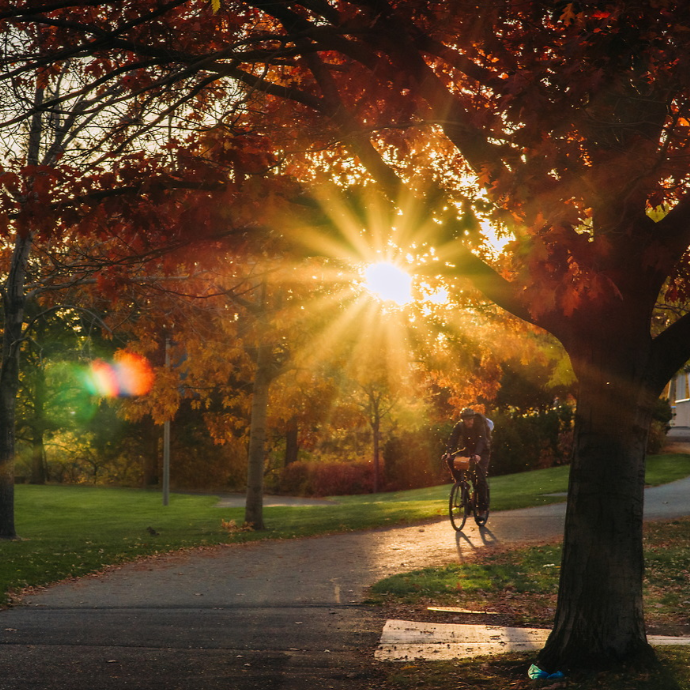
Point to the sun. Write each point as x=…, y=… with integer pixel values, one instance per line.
x=388, y=282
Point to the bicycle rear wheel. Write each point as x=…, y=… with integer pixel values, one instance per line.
x=478, y=517
x=458, y=506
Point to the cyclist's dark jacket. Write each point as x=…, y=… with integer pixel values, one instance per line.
x=474, y=441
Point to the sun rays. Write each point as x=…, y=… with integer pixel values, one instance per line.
x=370, y=293
x=388, y=282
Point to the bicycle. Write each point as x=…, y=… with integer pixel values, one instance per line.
x=463, y=496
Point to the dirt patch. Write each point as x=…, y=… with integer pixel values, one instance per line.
x=680, y=447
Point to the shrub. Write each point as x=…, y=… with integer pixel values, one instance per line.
x=205, y=465
x=412, y=459
x=531, y=441
x=294, y=480
x=326, y=479
x=340, y=479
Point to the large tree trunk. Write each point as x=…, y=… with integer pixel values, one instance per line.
x=376, y=433
x=38, y=458
x=257, y=439
x=7, y=529
x=599, y=618
x=14, y=303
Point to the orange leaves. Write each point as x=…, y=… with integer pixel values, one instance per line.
x=569, y=15
x=164, y=400
x=109, y=283
x=570, y=300
x=562, y=269
x=246, y=153
x=485, y=176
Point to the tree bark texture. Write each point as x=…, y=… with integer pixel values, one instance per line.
x=38, y=453
x=600, y=617
x=257, y=438
x=7, y=529
x=291, y=442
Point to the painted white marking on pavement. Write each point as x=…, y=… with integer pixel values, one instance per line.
x=407, y=640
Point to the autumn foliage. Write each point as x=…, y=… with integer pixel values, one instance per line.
x=534, y=151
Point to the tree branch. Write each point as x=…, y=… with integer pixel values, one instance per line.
x=52, y=310
x=50, y=7
x=471, y=141
x=457, y=260
x=298, y=28
x=675, y=227
x=670, y=351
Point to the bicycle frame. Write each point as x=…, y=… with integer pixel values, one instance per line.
x=463, y=497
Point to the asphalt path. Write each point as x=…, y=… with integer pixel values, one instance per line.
x=274, y=614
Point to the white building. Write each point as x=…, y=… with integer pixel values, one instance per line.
x=678, y=391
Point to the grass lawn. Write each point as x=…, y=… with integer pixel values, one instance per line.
x=69, y=531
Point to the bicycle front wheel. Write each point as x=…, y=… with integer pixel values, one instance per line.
x=458, y=506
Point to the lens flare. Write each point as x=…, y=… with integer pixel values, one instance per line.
x=134, y=374
x=128, y=375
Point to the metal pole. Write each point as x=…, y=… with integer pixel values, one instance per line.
x=166, y=440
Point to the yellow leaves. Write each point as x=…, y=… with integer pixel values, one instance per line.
x=227, y=429
x=231, y=526
x=215, y=5
x=164, y=399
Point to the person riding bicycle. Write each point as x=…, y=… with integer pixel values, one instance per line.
x=471, y=437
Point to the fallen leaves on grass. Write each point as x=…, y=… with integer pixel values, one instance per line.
x=231, y=526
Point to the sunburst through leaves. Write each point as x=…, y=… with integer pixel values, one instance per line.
x=389, y=282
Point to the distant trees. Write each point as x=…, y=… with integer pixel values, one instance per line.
x=50, y=394
x=83, y=207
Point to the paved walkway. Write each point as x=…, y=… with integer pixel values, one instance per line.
x=239, y=500
x=277, y=614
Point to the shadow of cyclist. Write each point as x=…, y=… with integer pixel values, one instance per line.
x=463, y=541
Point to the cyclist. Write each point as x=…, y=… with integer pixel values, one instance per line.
x=471, y=436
